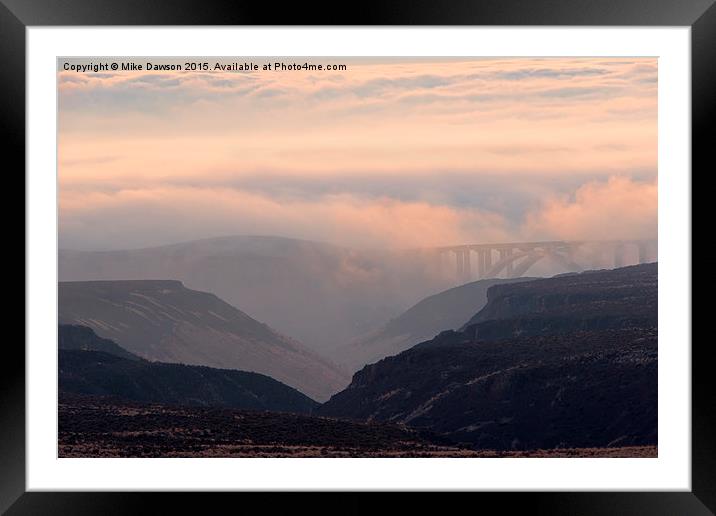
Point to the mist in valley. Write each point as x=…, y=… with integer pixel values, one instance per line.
x=316, y=203
x=330, y=298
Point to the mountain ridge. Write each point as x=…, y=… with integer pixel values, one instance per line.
x=599, y=299
x=98, y=373
x=448, y=309
x=556, y=387
x=83, y=338
x=162, y=320
x=352, y=291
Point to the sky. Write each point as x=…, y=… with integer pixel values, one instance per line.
x=395, y=152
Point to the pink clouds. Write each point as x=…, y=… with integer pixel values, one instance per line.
x=617, y=209
x=170, y=214
x=556, y=147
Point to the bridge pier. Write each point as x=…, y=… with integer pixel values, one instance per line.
x=467, y=268
x=648, y=251
x=503, y=254
x=515, y=259
x=618, y=255
x=460, y=264
x=641, y=246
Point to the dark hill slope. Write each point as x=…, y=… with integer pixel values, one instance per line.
x=574, y=390
x=82, y=338
x=593, y=300
x=555, y=387
x=101, y=374
x=447, y=310
x=163, y=320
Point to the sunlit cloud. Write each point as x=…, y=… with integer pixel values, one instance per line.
x=616, y=209
x=390, y=152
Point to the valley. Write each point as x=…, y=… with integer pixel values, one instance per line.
x=526, y=367
x=162, y=320
x=320, y=294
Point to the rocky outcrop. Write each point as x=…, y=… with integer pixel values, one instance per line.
x=570, y=362
x=590, y=301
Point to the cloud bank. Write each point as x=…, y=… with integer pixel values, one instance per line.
x=400, y=153
x=618, y=208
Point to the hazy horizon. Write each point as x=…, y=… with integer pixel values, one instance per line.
x=301, y=211
x=392, y=153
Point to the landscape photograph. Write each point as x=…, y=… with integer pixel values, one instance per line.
x=401, y=257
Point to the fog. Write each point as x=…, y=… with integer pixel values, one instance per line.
x=324, y=295
x=344, y=175
x=615, y=208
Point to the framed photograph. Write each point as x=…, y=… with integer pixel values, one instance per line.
x=412, y=249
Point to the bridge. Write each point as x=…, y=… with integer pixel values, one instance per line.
x=512, y=260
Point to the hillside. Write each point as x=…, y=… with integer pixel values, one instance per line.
x=447, y=310
x=592, y=300
x=82, y=338
x=560, y=386
x=165, y=321
x=351, y=292
x=101, y=374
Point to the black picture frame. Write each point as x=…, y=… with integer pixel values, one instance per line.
x=17, y=15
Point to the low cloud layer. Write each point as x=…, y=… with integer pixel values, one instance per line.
x=613, y=210
x=618, y=208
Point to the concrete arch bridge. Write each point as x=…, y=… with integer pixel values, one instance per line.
x=513, y=260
